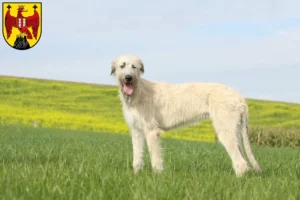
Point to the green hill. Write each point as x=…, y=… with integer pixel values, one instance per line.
x=80, y=106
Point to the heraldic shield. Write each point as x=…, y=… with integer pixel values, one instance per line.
x=22, y=24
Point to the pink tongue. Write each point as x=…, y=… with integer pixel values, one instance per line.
x=128, y=89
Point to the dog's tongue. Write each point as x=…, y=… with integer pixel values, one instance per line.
x=128, y=88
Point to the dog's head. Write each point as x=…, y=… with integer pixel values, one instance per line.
x=127, y=69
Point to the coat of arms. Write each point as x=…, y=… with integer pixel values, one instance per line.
x=22, y=24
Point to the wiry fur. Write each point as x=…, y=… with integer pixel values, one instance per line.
x=155, y=107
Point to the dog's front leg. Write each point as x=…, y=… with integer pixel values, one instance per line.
x=154, y=150
x=138, y=140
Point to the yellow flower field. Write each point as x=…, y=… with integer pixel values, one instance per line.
x=80, y=106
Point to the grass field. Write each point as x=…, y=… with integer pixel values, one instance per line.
x=81, y=106
x=45, y=163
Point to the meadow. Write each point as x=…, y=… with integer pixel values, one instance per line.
x=92, y=107
x=47, y=163
x=81, y=149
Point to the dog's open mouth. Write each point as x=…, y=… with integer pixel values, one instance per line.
x=128, y=88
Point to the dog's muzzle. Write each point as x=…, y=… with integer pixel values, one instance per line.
x=127, y=85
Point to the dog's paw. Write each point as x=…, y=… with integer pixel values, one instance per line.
x=157, y=168
x=137, y=167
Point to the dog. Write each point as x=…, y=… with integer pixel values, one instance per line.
x=151, y=108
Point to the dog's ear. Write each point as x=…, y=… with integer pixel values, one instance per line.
x=142, y=66
x=113, y=68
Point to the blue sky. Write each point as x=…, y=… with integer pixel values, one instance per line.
x=252, y=46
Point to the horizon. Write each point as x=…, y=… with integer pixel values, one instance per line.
x=251, y=46
x=112, y=85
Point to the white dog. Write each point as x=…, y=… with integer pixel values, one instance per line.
x=150, y=108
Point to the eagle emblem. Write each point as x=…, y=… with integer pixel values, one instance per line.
x=22, y=24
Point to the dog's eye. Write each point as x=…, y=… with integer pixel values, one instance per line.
x=122, y=66
x=133, y=66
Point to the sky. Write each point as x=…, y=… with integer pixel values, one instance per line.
x=252, y=46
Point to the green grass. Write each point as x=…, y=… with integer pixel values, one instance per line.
x=45, y=163
x=79, y=106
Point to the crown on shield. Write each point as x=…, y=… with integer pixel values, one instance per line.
x=21, y=6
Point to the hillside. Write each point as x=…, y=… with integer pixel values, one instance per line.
x=80, y=106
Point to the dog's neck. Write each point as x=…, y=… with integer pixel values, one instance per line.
x=126, y=99
x=141, y=91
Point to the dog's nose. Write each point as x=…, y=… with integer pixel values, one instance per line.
x=128, y=77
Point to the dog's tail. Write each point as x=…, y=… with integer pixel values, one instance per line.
x=246, y=142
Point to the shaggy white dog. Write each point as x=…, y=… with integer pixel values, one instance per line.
x=150, y=108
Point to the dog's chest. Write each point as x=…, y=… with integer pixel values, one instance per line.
x=133, y=117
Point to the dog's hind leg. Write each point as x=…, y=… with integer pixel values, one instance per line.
x=244, y=131
x=227, y=132
x=227, y=138
x=138, y=141
x=154, y=150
